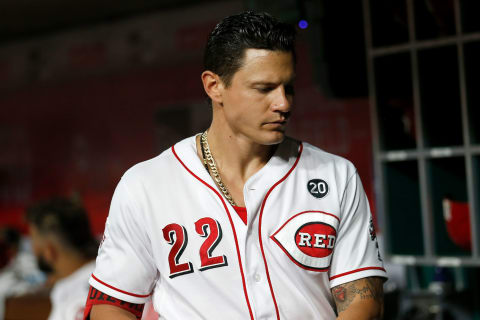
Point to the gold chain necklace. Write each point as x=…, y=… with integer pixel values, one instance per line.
x=209, y=163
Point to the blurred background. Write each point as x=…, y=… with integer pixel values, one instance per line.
x=89, y=88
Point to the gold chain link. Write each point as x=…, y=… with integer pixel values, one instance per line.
x=209, y=162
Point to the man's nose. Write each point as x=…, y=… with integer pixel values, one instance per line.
x=282, y=101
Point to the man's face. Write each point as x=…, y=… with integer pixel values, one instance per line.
x=257, y=104
x=39, y=247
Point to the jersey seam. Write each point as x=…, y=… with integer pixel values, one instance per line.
x=346, y=186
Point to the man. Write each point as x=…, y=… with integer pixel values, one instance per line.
x=65, y=249
x=241, y=222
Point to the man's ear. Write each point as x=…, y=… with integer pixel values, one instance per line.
x=213, y=86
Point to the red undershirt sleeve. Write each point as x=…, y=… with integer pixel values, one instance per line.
x=97, y=297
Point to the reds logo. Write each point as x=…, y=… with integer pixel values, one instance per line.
x=314, y=234
x=316, y=239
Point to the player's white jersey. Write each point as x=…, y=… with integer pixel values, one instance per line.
x=69, y=294
x=170, y=232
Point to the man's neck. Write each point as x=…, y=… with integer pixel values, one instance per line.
x=68, y=264
x=237, y=158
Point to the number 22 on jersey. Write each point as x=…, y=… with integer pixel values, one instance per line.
x=176, y=235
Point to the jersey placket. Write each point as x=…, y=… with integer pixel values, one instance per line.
x=255, y=191
x=255, y=272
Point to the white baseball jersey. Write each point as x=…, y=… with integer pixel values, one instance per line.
x=69, y=294
x=171, y=233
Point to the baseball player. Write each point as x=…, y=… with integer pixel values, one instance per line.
x=240, y=221
x=65, y=249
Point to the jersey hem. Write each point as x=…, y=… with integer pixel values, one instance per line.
x=357, y=274
x=117, y=293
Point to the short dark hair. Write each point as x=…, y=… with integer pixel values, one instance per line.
x=230, y=38
x=66, y=220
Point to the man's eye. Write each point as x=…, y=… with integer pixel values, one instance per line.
x=264, y=89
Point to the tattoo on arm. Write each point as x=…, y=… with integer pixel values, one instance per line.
x=370, y=288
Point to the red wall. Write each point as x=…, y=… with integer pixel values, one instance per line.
x=78, y=137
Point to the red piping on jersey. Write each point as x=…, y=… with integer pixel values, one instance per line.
x=357, y=270
x=303, y=213
x=231, y=224
x=260, y=227
x=288, y=254
x=121, y=291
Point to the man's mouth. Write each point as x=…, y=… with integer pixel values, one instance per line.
x=283, y=121
x=280, y=124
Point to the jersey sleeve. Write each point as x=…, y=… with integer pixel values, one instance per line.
x=96, y=297
x=356, y=254
x=125, y=268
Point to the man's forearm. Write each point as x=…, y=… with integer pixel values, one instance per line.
x=108, y=312
x=360, y=311
x=360, y=299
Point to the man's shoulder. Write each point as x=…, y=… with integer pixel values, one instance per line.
x=147, y=167
x=313, y=153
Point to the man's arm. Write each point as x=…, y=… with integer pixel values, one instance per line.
x=361, y=299
x=101, y=306
x=109, y=312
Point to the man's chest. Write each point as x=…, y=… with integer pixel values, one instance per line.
x=194, y=228
x=274, y=263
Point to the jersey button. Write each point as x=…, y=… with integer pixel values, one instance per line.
x=257, y=277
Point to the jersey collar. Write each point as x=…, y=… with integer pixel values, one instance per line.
x=278, y=165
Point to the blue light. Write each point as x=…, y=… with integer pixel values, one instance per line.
x=303, y=24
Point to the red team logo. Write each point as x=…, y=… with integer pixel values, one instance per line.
x=308, y=238
x=316, y=239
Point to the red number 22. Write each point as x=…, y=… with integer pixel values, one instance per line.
x=176, y=235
